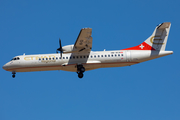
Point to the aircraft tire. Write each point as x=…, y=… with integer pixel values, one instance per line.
x=82, y=69
x=13, y=75
x=80, y=75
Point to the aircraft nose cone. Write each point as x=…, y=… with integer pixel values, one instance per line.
x=5, y=67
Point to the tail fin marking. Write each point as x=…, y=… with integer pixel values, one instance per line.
x=157, y=41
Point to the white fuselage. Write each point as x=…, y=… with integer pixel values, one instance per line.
x=93, y=60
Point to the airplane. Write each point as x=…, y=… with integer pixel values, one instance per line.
x=79, y=57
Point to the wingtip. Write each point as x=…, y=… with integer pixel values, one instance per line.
x=86, y=28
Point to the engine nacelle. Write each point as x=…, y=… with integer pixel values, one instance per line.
x=68, y=48
x=72, y=49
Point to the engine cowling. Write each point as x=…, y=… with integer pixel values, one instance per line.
x=68, y=49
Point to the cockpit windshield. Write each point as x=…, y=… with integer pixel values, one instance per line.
x=15, y=58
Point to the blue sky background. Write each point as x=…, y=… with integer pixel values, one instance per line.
x=147, y=91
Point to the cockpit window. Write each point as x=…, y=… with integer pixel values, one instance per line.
x=16, y=58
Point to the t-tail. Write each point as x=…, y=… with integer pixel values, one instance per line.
x=157, y=41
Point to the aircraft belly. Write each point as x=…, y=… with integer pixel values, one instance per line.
x=107, y=63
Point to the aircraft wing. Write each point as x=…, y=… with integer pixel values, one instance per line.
x=84, y=40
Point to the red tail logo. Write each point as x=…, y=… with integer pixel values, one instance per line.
x=142, y=46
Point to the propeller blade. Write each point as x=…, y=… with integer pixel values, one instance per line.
x=60, y=44
x=61, y=54
x=60, y=48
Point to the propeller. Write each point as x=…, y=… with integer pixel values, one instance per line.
x=60, y=48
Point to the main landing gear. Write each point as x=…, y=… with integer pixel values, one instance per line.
x=80, y=70
x=13, y=74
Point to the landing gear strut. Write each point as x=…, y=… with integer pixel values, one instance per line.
x=13, y=74
x=80, y=70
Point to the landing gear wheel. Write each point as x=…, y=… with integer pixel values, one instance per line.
x=82, y=69
x=13, y=75
x=80, y=75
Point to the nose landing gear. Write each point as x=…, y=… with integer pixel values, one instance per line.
x=80, y=70
x=13, y=74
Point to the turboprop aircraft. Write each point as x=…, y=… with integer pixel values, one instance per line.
x=79, y=57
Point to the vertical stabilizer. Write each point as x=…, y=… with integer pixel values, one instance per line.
x=157, y=41
x=159, y=37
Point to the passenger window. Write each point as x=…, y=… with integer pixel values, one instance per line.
x=91, y=56
x=118, y=54
x=53, y=58
x=46, y=58
x=121, y=54
x=39, y=58
x=77, y=57
x=111, y=55
x=108, y=55
x=105, y=55
x=49, y=58
x=87, y=56
x=98, y=56
x=70, y=57
x=63, y=57
x=17, y=58
x=43, y=59
x=73, y=57
x=84, y=56
x=66, y=57
x=115, y=55
x=59, y=57
x=56, y=58
x=95, y=56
